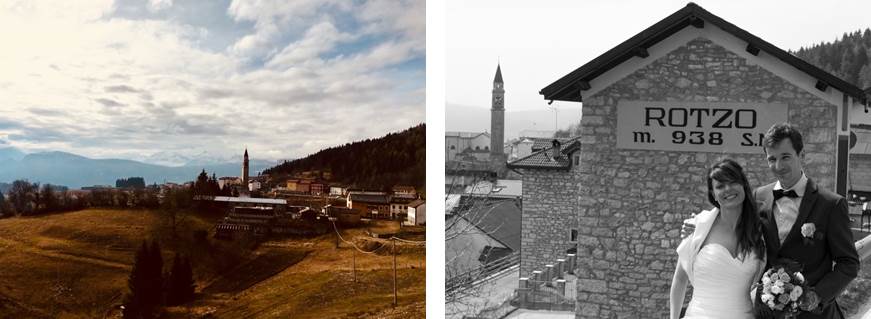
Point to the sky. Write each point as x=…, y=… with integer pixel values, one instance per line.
x=163, y=81
x=537, y=42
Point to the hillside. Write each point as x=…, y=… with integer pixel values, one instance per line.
x=395, y=159
x=76, y=265
x=848, y=58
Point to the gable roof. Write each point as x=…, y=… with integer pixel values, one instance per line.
x=499, y=218
x=469, y=135
x=566, y=88
x=539, y=143
x=369, y=198
x=544, y=158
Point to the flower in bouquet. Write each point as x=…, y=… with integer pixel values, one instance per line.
x=782, y=287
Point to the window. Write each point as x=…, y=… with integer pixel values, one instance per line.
x=477, y=148
x=577, y=160
x=486, y=148
x=453, y=147
x=574, y=235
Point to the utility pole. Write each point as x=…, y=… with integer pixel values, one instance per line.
x=394, y=270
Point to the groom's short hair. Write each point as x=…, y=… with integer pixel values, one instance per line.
x=780, y=132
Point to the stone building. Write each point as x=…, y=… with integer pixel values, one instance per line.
x=860, y=163
x=550, y=205
x=658, y=110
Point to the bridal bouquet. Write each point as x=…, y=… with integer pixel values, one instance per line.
x=781, y=291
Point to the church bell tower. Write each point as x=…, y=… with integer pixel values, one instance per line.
x=245, y=173
x=497, y=120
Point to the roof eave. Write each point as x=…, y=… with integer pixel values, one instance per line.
x=568, y=87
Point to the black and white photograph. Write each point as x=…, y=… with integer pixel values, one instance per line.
x=665, y=159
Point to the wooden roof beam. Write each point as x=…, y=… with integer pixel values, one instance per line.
x=752, y=49
x=640, y=52
x=697, y=22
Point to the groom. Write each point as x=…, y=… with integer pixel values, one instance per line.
x=805, y=223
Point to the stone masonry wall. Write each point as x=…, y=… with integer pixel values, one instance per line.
x=550, y=211
x=634, y=200
x=860, y=172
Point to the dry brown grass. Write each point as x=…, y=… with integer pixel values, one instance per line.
x=75, y=265
x=322, y=285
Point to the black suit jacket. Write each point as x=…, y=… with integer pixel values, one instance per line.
x=830, y=260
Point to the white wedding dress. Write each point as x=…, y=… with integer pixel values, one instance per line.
x=721, y=284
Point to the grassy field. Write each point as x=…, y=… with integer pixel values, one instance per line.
x=323, y=286
x=75, y=265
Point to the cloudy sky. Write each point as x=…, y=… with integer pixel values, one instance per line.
x=537, y=42
x=159, y=80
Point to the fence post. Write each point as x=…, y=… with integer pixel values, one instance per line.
x=536, y=279
x=561, y=287
x=548, y=273
x=572, y=266
x=522, y=291
x=560, y=268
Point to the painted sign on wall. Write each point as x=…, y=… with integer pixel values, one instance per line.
x=696, y=126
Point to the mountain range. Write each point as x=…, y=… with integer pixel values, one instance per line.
x=76, y=171
x=467, y=118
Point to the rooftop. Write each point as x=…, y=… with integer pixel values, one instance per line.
x=545, y=159
x=250, y=200
x=567, y=87
x=366, y=198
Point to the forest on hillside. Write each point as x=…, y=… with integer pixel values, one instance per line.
x=394, y=159
x=848, y=58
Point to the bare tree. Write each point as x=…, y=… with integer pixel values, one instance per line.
x=470, y=204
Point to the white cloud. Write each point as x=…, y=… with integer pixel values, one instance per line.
x=319, y=39
x=85, y=81
x=158, y=5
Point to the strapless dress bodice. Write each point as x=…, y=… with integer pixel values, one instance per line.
x=721, y=284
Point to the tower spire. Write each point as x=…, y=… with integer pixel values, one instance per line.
x=498, y=78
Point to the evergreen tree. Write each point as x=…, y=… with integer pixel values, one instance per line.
x=49, y=199
x=154, y=272
x=135, y=305
x=181, y=283
x=865, y=76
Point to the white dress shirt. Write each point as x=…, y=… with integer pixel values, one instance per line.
x=786, y=209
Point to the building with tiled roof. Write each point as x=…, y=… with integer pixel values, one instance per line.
x=555, y=156
x=376, y=205
x=459, y=142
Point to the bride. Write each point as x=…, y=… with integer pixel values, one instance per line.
x=725, y=253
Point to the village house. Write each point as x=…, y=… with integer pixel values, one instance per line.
x=416, y=213
x=338, y=190
x=458, y=142
x=227, y=181
x=399, y=206
x=375, y=204
x=292, y=185
x=317, y=188
x=404, y=191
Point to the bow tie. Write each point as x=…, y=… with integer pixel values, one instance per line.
x=778, y=193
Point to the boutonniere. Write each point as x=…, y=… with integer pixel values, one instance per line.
x=809, y=232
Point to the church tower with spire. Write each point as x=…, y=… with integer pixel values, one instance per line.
x=245, y=173
x=497, y=120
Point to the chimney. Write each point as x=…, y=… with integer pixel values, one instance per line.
x=556, y=149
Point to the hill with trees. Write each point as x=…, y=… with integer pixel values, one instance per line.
x=395, y=159
x=848, y=58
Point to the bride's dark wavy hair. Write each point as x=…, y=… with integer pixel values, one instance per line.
x=749, y=228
